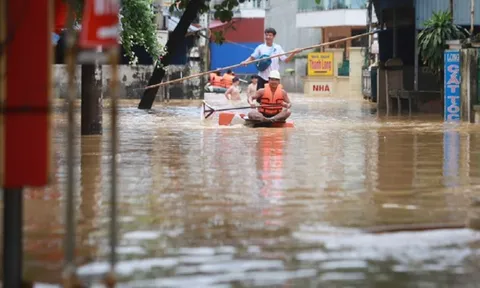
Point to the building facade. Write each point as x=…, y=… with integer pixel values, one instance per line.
x=281, y=15
x=336, y=19
x=242, y=35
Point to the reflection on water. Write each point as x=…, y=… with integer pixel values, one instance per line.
x=208, y=206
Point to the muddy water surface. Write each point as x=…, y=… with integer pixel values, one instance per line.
x=208, y=206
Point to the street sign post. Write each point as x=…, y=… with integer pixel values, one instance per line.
x=452, y=85
x=100, y=24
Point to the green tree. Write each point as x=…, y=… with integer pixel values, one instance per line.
x=432, y=40
x=190, y=9
x=139, y=28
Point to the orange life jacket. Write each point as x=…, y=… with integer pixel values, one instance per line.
x=212, y=77
x=271, y=98
x=217, y=81
x=227, y=80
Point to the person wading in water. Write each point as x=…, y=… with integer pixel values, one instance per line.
x=233, y=93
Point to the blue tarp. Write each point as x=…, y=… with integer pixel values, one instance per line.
x=228, y=54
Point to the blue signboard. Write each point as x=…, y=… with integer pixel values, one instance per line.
x=452, y=85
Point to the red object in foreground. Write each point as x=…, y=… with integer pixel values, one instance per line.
x=60, y=16
x=100, y=24
x=26, y=127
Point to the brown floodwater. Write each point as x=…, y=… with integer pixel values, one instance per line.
x=208, y=206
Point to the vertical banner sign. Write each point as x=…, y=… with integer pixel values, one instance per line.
x=26, y=95
x=100, y=24
x=452, y=85
x=320, y=64
x=451, y=139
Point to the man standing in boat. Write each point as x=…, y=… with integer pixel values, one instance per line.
x=268, y=49
x=274, y=102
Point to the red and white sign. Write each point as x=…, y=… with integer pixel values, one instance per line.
x=321, y=88
x=100, y=24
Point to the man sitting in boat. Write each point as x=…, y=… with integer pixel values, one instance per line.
x=274, y=102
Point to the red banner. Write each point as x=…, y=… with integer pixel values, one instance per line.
x=26, y=90
x=100, y=23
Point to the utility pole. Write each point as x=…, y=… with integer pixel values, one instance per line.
x=92, y=97
x=451, y=10
x=472, y=16
x=205, y=63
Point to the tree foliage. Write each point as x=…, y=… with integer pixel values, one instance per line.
x=139, y=28
x=432, y=39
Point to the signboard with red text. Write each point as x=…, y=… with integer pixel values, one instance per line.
x=321, y=88
x=320, y=64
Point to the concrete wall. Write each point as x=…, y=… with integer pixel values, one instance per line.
x=133, y=80
x=356, y=63
x=282, y=16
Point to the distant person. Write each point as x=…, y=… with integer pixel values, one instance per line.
x=272, y=94
x=227, y=79
x=216, y=79
x=266, y=50
x=252, y=87
x=212, y=77
x=233, y=93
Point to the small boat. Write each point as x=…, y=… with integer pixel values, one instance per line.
x=230, y=118
x=257, y=123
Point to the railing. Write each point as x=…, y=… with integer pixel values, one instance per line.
x=311, y=5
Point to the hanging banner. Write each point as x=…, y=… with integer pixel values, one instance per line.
x=452, y=85
x=100, y=24
x=25, y=109
x=320, y=64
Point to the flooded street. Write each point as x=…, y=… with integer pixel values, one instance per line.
x=208, y=206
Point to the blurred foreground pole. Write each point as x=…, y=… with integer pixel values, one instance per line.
x=69, y=275
x=102, y=29
x=25, y=158
x=111, y=279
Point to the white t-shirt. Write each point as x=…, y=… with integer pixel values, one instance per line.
x=263, y=49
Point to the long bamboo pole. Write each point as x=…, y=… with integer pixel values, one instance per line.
x=262, y=59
